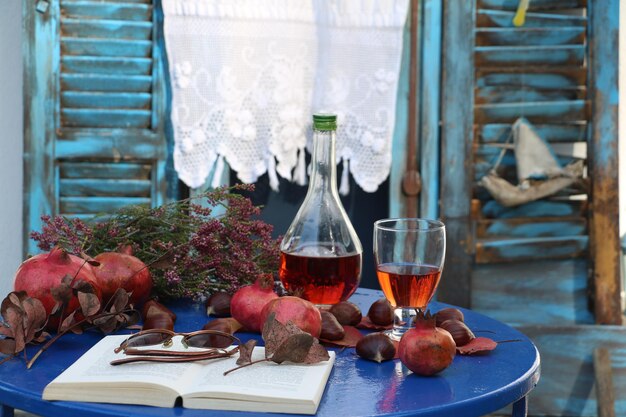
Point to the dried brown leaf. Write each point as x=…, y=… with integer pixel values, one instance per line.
x=62, y=293
x=89, y=303
x=14, y=319
x=245, y=352
x=68, y=322
x=368, y=324
x=11, y=300
x=350, y=339
x=317, y=353
x=274, y=333
x=7, y=346
x=6, y=330
x=34, y=318
x=119, y=301
x=294, y=348
x=106, y=324
x=81, y=285
x=477, y=346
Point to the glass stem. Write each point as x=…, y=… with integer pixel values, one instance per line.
x=403, y=320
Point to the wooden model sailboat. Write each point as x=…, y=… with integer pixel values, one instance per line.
x=538, y=170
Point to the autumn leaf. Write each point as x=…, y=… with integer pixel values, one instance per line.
x=7, y=346
x=350, y=339
x=63, y=293
x=477, y=346
x=288, y=343
x=245, y=352
x=367, y=324
x=89, y=303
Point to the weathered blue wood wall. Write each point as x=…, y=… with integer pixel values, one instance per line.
x=428, y=52
x=94, y=108
x=550, y=267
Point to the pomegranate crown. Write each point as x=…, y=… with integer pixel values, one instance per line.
x=424, y=320
x=265, y=281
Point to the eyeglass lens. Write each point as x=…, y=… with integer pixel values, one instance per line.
x=147, y=339
x=208, y=340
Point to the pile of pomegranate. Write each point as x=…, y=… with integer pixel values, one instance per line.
x=106, y=272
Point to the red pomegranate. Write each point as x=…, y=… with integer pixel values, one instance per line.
x=120, y=270
x=426, y=349
x=248, y=302
x=37, y=275
x=301, y=312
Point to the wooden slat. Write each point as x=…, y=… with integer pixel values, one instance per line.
x=106, y=10
x=105, y=118
x=102, y=170
x=106, y=83
x=429, y=139
x=535, y=112
x=105, y=100
x=604, y=156
x=550, y=132
x=530, y=55
x=532, y=5
x=530, y=36
x=531, y=227
x=544, y=292
x=456, y=148
x=95, y=205
x=110, y=29
x=500, y=18
x=507, y=250
x=550, y=78
x=106, y=47
x=115, y=144
x=603, y=371
x=81, y=187
x=542, y=208
x=106, y=65
x=489, y=95
x=567, y=386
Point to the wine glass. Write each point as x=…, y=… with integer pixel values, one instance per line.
x=409, y=255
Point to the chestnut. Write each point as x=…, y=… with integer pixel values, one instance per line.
x=218, y=304
x=218, y=325
x=331, y=328
x=381, y=312
x=347, y=313
x=448, y=314
x=158, y=321
x=461, y=334
x=376, y=347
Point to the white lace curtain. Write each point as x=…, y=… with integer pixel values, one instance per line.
x=248, y=74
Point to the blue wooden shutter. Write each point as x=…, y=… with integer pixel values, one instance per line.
x=537, y=71
x=94, y=107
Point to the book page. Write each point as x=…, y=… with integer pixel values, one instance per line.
x=93, y=379
x=94, y=366
x=261, y=382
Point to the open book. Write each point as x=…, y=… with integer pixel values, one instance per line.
x=264, y=387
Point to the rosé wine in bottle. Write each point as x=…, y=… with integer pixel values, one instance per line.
x=322, y=280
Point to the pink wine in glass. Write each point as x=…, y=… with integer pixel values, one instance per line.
x=322, y=280
x=408, y=285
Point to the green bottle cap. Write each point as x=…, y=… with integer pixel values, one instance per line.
x=323, y=121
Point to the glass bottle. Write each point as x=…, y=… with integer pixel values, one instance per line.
x=321, y=254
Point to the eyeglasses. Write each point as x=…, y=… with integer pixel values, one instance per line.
x=213, y=343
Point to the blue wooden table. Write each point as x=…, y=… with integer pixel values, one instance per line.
x=472, y=386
